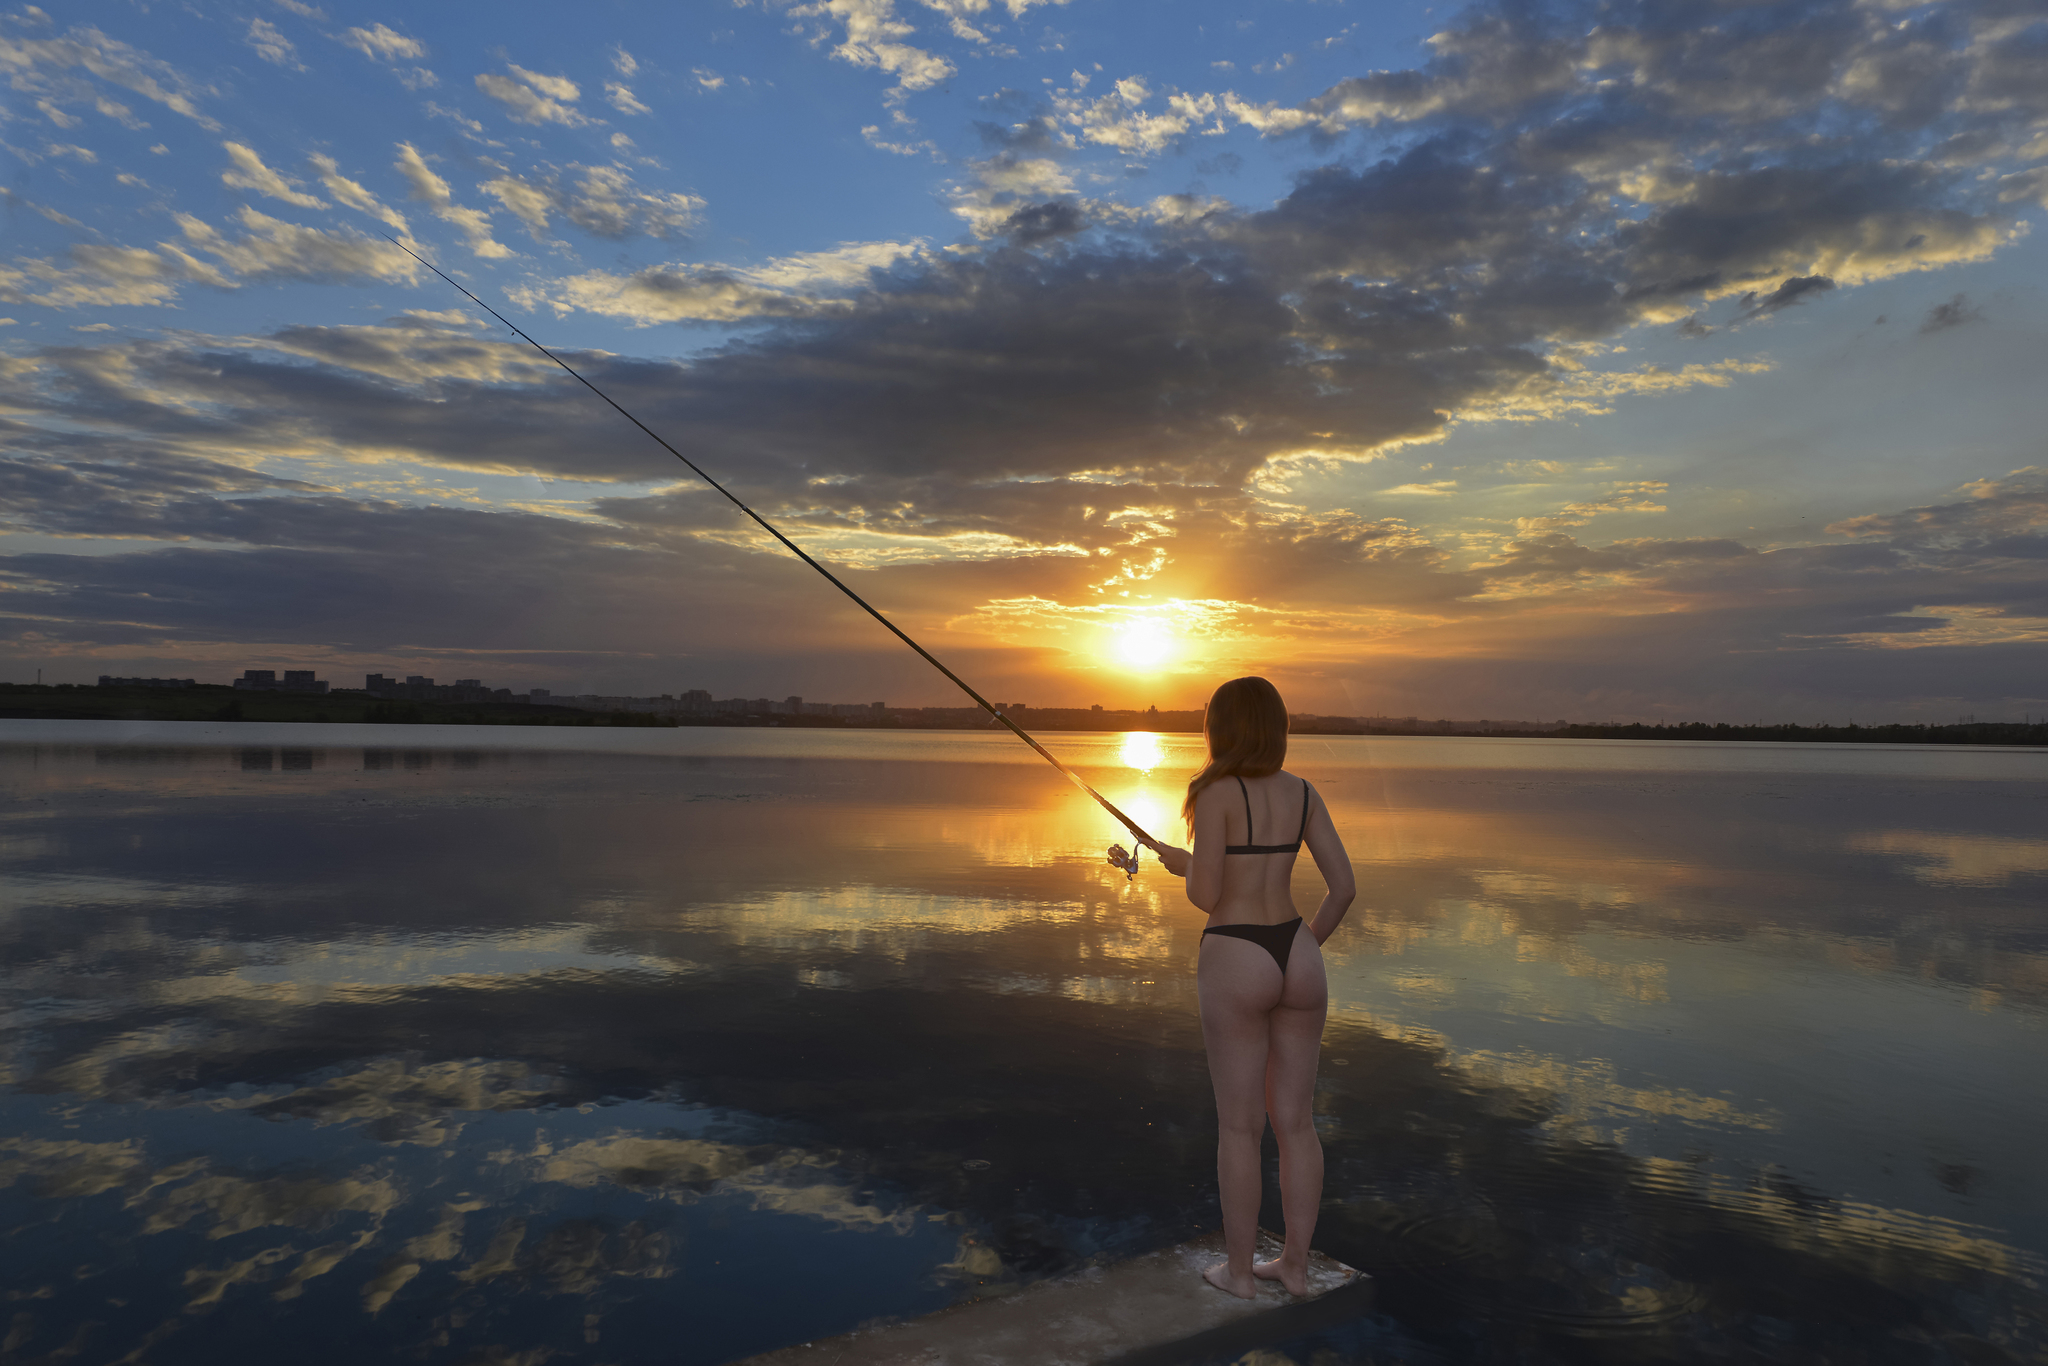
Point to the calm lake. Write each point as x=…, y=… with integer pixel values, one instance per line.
x=454, y=1044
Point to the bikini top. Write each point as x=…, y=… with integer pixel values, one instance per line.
x=1293, y=848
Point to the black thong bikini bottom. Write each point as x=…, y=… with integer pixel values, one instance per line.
x=1277, y=940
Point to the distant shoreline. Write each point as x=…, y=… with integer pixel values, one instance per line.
x=66, y=702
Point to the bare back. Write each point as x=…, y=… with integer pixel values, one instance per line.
x=1247, y=833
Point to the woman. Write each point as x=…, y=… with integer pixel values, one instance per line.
x=1261, y=975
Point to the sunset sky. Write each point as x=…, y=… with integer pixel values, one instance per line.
x=1609, y=361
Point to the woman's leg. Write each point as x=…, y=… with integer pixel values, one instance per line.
x=1295, y=1041
x=1240, y=984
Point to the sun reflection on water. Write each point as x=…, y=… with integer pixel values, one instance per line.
x=1142, y=751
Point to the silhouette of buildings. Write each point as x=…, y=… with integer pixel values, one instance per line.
x=294, y=680
x=420, y=688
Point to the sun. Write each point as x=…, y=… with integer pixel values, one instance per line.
x=1144, y=644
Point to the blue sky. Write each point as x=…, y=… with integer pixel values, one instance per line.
x=1660, y=359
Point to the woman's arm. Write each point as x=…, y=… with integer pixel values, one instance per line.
x=1335, y=866
x=1205, y=863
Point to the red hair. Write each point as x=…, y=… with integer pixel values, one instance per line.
x=1246, y=727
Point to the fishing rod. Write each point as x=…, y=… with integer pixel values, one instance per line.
x=1128, y=863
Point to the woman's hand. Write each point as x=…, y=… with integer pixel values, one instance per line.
x=1172, y=857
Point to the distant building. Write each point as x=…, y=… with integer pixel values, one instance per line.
x=539, y=695
x=420, y=688
x=109, y=682
x=294, y=680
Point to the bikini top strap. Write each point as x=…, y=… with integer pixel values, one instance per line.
x=1304, y=813
x=1247, y=811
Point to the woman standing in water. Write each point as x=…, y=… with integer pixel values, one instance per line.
x=1261, y=976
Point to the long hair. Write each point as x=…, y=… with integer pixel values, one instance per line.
x=1246, y=727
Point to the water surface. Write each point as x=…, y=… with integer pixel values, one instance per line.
x=406, y=1040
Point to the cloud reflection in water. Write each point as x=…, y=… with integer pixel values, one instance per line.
x=498, y=1055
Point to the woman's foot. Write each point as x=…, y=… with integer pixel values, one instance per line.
x=1295, y=1278
x=1244, y=1287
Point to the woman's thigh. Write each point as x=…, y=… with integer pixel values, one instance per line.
x=1240, y=985
x=1295, y=1034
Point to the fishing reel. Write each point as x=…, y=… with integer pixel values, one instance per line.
x=1127, y=860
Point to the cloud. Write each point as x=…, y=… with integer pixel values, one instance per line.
x=1996, y=512
x=382, y=44
x=555, y=87
x=1118, y=119
x=97, y=277
x=604, y=202
x=833, y=432
x=621, y=99
x=387, y=46
x=354, y=196
x=1785, y=295
x=75, y=497
x=874, y=37
x=872, y=135
x=1091, y=399
x=469, y=126
x=272, y=46
x=1027, y=172
x=528, y=202
x=430, y=189
x=1852, y=222
x=1957, y=312
x=1674, y=69
x=426, y=186
x=13, y=200
x=276, y=250
x=29, y=62
x=534, y=98
x=1630, y=496
x=1043, y=223
x=247, y=171
x=793, y=286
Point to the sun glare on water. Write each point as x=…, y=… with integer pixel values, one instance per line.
x=1142, y=751
x=1145, y=645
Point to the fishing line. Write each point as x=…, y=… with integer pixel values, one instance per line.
x=1129, y=863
